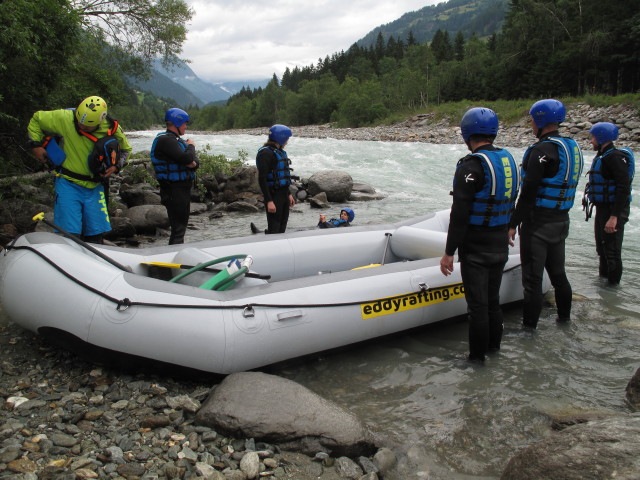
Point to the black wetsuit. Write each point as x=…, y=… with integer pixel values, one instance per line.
x=543, y=232
x=276, y=222
x=609, y=245
x=175, y=195
x=483, y=251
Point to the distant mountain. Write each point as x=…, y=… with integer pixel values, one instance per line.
x=482, y=17
x=181, y=84
x=162, y=86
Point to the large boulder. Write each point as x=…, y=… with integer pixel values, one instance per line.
x=139, y=194
x=277, y=410
x=244, y=179
x=121, y=227
x=146, y=218
x=608, y=448
x=336, y=184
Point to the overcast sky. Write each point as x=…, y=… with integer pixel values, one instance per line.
x=251, y=40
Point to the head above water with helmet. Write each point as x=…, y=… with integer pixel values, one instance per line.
x=280, y=134
x=479, y=121
x=604, y=132
x=91, y=111
x=177, y=117
x=350, y=213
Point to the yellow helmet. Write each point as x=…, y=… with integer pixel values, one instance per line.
x=91, y=111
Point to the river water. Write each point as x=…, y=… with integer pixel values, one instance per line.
x=457, y=420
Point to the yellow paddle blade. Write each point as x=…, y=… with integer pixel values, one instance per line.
x=162, y=264
x=367, y=266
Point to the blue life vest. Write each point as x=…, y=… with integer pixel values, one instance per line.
x=336, y=222
x=167, y=170
x=280, y=176
x=496, y=201
x=559, y=192
x=603, y=190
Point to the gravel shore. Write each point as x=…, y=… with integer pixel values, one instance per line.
x=425, y=128
x=62, y=418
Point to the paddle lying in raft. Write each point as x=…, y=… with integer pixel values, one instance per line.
x=206, y=269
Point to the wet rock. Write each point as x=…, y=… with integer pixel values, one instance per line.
x=384, y=460
x=348, y=468
x=139, y=194
x=197, y=208
x=146, y=218
x=241, y=206
x=121, y=227
x=250, y=465
x=633, y=390
x=244, y=179
x=183, y=402
x=336, y=184
x=23, y=465
x=600, y=449
x=319, y=201
x=285, y=412
x=9, y=454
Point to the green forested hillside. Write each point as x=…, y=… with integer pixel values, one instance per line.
x=546, y=48
x=482, y=17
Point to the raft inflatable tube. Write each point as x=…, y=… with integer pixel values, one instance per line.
x=301, y=294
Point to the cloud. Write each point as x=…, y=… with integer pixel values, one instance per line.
x=249, y=40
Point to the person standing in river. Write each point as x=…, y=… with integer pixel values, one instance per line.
x=609, y=191
x=175, y=162
x=485, y=188
x=274, y=177
x=551, y=168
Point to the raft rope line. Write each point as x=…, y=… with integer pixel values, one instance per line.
x=125, y=303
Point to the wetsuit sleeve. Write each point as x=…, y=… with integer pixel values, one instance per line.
x=264, y=161
x=615, y=167
x=125, y=147
x=469, y=179
x=167, y=147
x=536, y=164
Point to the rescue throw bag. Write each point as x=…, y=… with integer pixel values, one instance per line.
x=53, y=147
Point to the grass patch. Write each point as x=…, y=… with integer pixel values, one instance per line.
x=508, y=111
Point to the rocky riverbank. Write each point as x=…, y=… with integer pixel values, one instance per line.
x=425, y=128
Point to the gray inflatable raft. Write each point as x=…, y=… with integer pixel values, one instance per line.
x=305, y=292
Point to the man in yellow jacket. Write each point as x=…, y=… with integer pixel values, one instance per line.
x=85, y=147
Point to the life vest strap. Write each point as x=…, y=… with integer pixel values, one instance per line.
x=78, y=176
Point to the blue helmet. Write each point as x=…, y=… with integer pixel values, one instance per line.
x=351, y=214
x=279, y=134
x=604, y=132
x=479, y=121
x=176, y=116
x=547, y=111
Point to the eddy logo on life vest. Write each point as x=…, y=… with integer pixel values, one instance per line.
x=425, y=298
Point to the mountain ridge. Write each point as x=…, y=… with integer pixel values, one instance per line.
x=482, y=17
